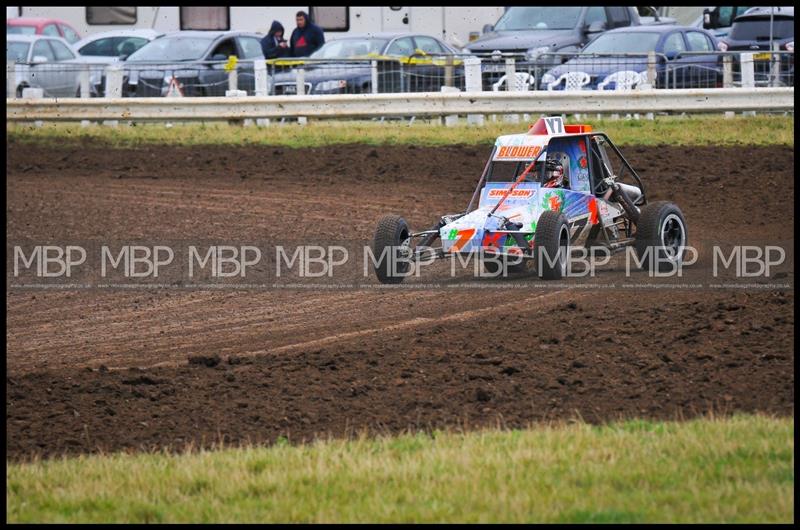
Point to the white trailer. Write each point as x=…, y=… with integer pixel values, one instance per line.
x=455, y=25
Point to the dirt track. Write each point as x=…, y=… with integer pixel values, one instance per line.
x=95, y=369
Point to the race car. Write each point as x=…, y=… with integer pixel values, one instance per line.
x=541, y=194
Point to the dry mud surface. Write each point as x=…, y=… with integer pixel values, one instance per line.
x=104, y=370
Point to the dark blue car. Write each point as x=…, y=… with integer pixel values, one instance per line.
x=685, y=58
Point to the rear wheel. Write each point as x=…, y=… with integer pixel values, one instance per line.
x=392, y=242
x=661, y=236
x=551, y=245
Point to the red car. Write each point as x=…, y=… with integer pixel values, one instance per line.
x=42, y=26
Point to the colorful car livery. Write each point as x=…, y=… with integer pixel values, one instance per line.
x=541, y=193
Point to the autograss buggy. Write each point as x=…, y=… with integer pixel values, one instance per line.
x=542, y=193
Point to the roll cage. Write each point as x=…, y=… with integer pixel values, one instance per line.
x=600, y=166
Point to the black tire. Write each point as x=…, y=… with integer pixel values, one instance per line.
x=392, y=231
x=492, y=267
x=662, y=229
x=551, y=244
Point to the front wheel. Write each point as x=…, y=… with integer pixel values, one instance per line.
x=661, y=236
x=391, y=248
x=551, y=245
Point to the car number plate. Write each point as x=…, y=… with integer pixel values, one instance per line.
x=494, y=67
x=133, y=78
x=762, y=56
x=290, y=89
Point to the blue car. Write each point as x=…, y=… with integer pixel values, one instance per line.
x=686, y=57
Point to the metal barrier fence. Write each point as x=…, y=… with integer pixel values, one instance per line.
x=365, y=76
x=401, y=105
x=57, y=80
x=385, y=75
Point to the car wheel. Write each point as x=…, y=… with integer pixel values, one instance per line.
x=661, y=236
x=551, y=245
x=391, y=242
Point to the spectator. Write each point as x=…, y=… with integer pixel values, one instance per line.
x=307, y=37
x=274, y=45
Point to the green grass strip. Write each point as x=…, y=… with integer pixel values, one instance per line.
x=664, y=130
x=736, y=469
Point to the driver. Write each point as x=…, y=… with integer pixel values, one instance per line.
x=554, y=174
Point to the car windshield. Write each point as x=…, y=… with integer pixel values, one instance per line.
x=20, y=30
x=17, y=51
x=758, y=29
x=173, y=49
x=344, y=48
x=507, y=171
x=626, y=42
x=521, y=18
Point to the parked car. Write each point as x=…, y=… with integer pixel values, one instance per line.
x=42, y=26
x=752, y=31
x=44, y=62
x=718, y=20
x=686, y=58
x=196, y=60
x=535, y=30
x=326, y=72
x=110, y=46
x=540, y=32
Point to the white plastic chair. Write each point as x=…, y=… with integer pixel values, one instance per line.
x=571, y=80
x=623, y=80
x=523, y=81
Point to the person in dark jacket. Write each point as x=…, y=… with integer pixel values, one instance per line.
x=274, y=45
x=307, y=37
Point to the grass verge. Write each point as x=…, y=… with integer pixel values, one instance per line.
x=735, y=469
x=666, y=130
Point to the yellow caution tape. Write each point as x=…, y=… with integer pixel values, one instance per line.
x=426, y=59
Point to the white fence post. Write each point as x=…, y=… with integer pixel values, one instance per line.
x=33, y=93
x=11, y=79
x=450, y=120
x=727, y=71
x=511, y=85
x=473, y=83
x=85, y=89
x=262, y=86
x=237, y=94
x=300, y=84
x=748, y=71
x=727, y=78
x=775, y=65
x=233, y=79
x=652, y=77
x=748, y=76
x=374, y=77
x=651, y=69
x=300, y=81
x=113, y=88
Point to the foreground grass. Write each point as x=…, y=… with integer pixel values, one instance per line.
x=738, y=469
x=664, y=130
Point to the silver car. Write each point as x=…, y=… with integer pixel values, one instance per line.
x=45, y=62
x=110, y=46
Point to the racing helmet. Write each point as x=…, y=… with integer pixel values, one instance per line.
x=553, y=174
